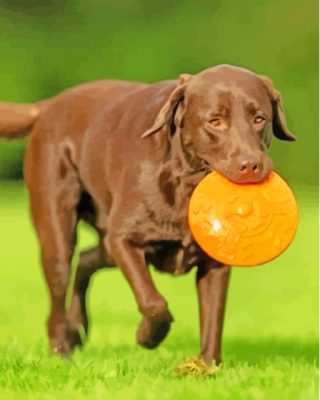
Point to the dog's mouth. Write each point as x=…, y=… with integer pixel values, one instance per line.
x=206, y=167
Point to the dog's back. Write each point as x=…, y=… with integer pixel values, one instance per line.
x=69, y=111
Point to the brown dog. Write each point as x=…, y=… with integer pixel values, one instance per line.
x=125, y=157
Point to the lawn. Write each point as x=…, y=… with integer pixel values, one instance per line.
x=270, y=337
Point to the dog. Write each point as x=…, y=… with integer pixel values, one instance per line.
x=125, y=157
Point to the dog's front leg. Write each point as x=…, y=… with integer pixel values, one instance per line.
x=212, y=284
x=156, y=316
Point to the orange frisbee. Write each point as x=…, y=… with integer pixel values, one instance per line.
x=243, y=224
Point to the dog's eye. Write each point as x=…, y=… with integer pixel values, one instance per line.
x=259, y=119
x=216, y=122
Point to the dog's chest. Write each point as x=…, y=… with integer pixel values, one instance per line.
x=171, y=246
x=174, y=257
x=167, y=204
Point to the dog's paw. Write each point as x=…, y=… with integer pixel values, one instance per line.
x=154, y=329
x=64, y=345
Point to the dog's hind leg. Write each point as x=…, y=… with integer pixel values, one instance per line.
x=91, y=260
x=54, y=194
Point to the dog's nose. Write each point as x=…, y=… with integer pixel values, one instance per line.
x=249, y=167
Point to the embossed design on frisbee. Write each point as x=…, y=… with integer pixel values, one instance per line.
x=243, y=225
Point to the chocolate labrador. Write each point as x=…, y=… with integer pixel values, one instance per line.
x=125, y=157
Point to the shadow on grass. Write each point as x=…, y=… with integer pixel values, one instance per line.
x=253, y=352
x=256, y=351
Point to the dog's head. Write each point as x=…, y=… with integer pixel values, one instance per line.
x=225, y=117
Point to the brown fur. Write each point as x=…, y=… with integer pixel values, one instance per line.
x=125, y=157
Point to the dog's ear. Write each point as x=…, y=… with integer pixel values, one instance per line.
x=166, y=115
x=279, y=125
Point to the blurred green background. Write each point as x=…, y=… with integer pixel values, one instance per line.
x=47, y=46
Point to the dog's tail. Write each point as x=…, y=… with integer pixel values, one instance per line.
x=17, y=120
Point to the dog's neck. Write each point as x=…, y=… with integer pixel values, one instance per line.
x=178, y=178
x=181, y=159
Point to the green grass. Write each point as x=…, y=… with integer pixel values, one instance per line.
x=270, y=338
